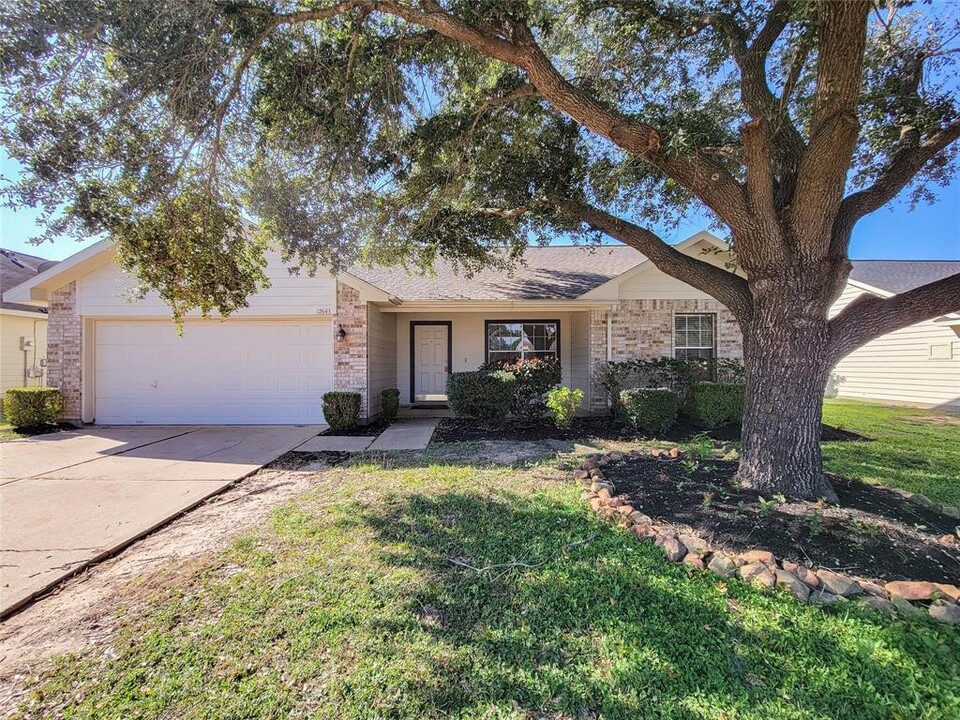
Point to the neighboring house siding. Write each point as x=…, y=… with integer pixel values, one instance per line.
x=107, y=292
x=382, y=353
x=65, y=350
x=919, y=364
x=350, y=354
x=12, y=328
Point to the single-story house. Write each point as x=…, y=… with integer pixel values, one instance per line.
x=23, y=327
x=918, y=365
x=120, y=361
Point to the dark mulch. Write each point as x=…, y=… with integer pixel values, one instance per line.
x=371, y=430
x=600, y=427
x=296, y=460
x=873, y=533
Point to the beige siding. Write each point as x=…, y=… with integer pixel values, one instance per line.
x=468, y=341
x=12, y=328
x=106, y=292
x=580, y=370
x=919, y=364
x=381, y=355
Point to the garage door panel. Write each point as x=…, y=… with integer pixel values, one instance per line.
x=225, y=372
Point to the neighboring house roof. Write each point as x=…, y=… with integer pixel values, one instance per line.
x=555, y=272
x=16, y=268
x=897, y=276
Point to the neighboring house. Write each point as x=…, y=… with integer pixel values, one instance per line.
x=119, y=361
x=918, y=365
x=23, y=328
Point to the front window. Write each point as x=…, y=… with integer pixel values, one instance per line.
x=693, y=336
x=512, y=341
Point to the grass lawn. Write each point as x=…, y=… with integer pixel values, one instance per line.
x=357, y=601
x=917, y=450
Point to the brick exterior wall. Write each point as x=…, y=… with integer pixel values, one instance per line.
x=644, y=329
x=350, y=354
x=65, y=350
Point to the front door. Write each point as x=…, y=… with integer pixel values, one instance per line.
x=431, y=361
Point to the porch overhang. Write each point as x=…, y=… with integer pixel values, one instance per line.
x=493, y=306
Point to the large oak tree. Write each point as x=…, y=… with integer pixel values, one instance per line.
x=403, y=130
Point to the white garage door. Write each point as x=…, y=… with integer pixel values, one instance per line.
x=236, y=372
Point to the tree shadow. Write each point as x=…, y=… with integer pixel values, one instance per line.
x=545, y=611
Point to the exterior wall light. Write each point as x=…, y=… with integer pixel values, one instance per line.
x=341, y=333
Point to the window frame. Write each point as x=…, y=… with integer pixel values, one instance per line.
x=529, y=321
x=712, y=348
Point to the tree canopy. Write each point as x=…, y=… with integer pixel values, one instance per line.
x=402, y=131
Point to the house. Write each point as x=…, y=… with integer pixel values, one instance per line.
x=23, y=327
x=918, y=365
x=121, y=361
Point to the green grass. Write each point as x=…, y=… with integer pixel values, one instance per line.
x=349, y=604
x=917, y=450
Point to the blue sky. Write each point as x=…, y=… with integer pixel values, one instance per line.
x=930, y=232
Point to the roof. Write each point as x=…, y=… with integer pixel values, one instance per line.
x=553, y=272
x=16, y=268
x=897, y=276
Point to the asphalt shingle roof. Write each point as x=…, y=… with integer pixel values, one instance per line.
x=16, y=268
x=898, y=276
x=555, y=272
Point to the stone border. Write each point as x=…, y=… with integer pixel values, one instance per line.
x=760, y=567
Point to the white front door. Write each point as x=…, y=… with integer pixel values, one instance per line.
x=431, y=354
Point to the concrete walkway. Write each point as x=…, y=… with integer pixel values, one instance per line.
x=406, y=435
x=73, y=498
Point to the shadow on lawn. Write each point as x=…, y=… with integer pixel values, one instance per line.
x=566, y=615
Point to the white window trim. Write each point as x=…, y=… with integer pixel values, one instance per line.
x=673, y=333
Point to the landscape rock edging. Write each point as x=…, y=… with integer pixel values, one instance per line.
x=761, y=568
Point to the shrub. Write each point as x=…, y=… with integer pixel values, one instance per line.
x=650, y=409
x=341, y=410
x=711, y=403
x=534, y=377
x=389, y=403
x=563, y=403
x=28, y=407
x=677, y=375
x=481, y=395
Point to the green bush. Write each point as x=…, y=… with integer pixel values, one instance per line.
x=389, y=403
x=711, y=404
x=341, y=410
x=481, y=395
x=534, y=378
x=563, y=403
x=650, y=409
x=29, y=407
x=678, y=375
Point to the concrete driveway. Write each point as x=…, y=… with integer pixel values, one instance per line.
x=72, y=498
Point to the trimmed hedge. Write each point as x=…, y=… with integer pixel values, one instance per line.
x=711, y=404
x=28, y=407
x=389, y=403
x=341, y=410
x=650, y=409
x=480, y=395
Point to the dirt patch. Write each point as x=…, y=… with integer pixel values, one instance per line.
x=308, y=460
x=873, y=533
x=451, y=430
x=83, y=611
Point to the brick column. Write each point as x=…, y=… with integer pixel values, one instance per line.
x=350, y=354
x=65, y=350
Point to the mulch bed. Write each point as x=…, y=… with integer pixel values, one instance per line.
x=873, y=533
x=452, y=430
x=371, y=430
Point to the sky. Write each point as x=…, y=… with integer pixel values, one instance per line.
x=930, y=232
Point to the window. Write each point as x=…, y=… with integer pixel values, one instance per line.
x=508, y=341
x=693, y=336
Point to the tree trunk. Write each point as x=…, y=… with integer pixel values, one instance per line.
x=787, y=366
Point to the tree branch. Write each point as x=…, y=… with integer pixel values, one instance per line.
x=869, y=317
x=906, y=163
x=728, y=288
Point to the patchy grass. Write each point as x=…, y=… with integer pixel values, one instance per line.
x=8, y=432
x=429, y=589
x=913, y=449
